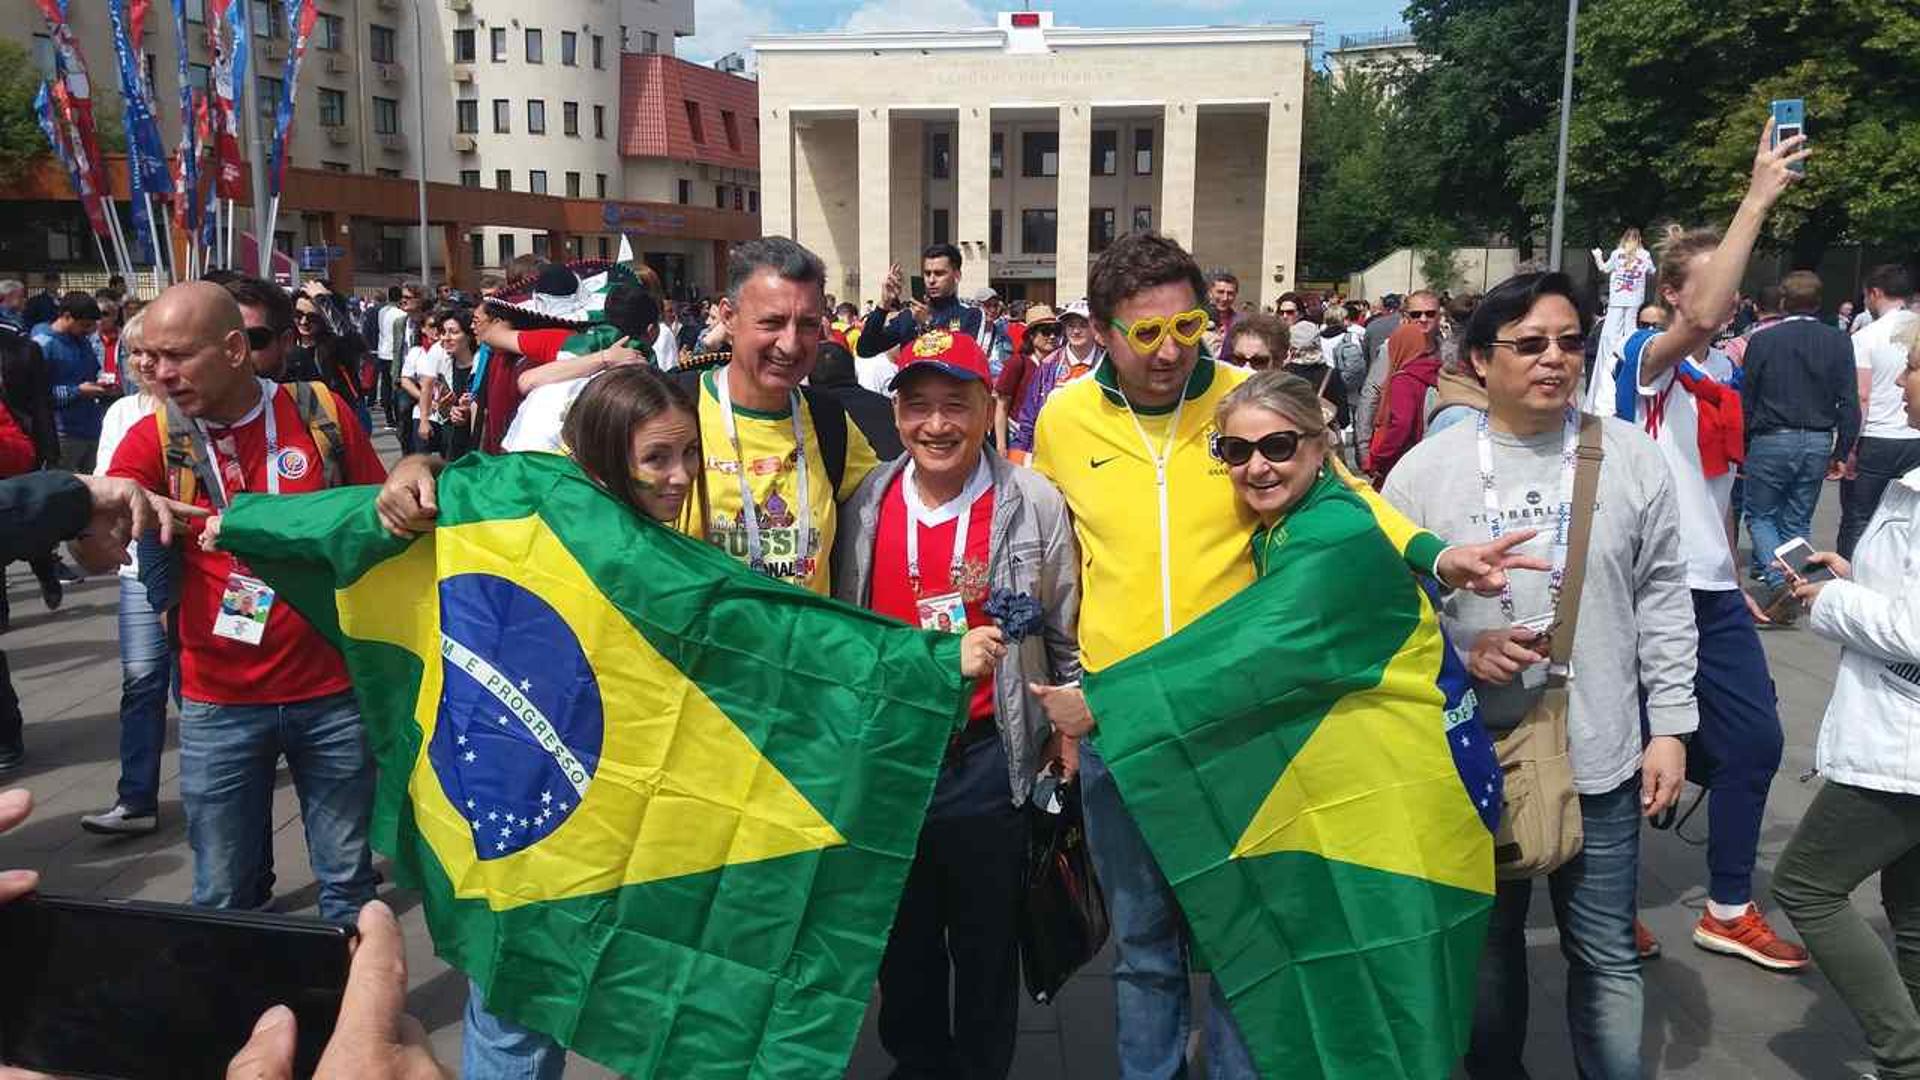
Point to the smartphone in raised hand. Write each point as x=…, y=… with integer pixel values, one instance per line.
x=1790, y=119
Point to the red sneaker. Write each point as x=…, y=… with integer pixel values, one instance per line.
x=1750, y=938
x=1644, y=942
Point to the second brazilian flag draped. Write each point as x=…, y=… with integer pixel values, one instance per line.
x=659, y=807
x=1307, y=765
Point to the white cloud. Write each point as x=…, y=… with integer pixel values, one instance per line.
x=725, y=26
x=883, y=15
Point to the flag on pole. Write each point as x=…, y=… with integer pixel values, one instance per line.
x=54, y=127
x=72, y=93
x=228, y=45
x=658, y=806
x=147, y=175
x=301, y=15
x=1306, y=763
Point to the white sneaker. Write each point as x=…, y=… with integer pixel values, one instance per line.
x=120, y=821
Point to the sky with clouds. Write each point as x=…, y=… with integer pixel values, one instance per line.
x=725, y=26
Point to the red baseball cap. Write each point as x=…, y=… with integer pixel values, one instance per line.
x=955, y=355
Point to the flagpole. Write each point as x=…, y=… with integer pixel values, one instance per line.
x=100, y=250
x=153, y=240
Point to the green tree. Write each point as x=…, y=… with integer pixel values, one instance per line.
x=1351, y=212
x=21, y=143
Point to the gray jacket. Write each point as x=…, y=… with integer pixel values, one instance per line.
x=1031, y=550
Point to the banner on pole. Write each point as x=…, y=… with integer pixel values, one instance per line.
x=227, y=43
x=301, y=15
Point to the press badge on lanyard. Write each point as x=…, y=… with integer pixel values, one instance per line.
x=246, y=602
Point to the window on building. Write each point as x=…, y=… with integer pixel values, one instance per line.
x=535, y=50
x=466, y=117
x=731, y=126
x=753, y=201
x=502, y=116
x=463, y=46
x=334, y=166
x=333, y=108
x=391, y=174
x=599, y=55
x=1143, y=151
x=684, y=195
x=940, y=154
x=997, y=156
x=197, y=11
x=470, y=178
x=569, y=48
x=599, y=185
x=268, y=91
x=43, y=55
x=198, y=75
x=570, y=117
x=497, y=41
x=478, y=245
x=506, y=248
x=1039, y=232
x=739, y=197
x=599, y=121
x=264, y=24
x=606, y=247
x=1040, y=154
x=1106, y=153
x=503, y=179
x=693, y=122
x=1143, y=219
x=573, y=185
x=536, y=116
x=541, y=245
x=380, y=43
x=329, y=33
x=719, y=196
x=993, y=232
x=942, y=226
x=537, y=181
x=649, y=41
x=386, y=116
x=1100, y=226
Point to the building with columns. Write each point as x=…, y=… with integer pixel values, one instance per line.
x=1032, y=146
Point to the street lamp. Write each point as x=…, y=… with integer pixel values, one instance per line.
x=1560, y=166
x=420, y=117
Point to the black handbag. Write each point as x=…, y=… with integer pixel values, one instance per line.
x=1064, y=920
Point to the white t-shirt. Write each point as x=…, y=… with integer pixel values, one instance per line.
x=1627, y=278
x=120, y=418
x=875, y=372
x=393, y=330
x=1861, y=321
x=1703, y=530
x=542, y=413
x=423, y=364
x=1875, y=351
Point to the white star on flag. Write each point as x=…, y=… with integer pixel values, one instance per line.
x=460, y=741
x=467, y=757
x=525, y=685
x=546, y=796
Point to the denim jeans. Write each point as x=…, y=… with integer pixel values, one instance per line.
x=1878, y=462
x=1150, y=988
x=1736, y=752
x=228, y=757
x=495, y=1048
x=146, y=668
x=1593, y=905
x=1784, y=471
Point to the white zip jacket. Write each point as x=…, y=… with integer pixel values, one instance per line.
x=1870, y=737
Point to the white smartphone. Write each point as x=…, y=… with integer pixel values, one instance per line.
x=1795, y=557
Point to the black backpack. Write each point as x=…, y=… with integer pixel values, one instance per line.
x=828, y=416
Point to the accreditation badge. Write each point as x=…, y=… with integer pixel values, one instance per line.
x=245, y=604
x=946, y=613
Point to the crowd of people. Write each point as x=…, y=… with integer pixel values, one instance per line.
x=1130, y=460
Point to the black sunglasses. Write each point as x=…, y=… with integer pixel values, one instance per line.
x=1423, y=315
x=261, y=337
x=1258, y=361
x=1277, y=447
x=1645, y=325
x=1570, y=344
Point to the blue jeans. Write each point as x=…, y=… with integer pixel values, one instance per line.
x=1593, y=905
x=1150, y=986
x=1736, y=752
x=1784, y=471
x=228, y=756
x=495, y=1048
x=146, y=668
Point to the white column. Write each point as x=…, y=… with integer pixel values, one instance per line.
x=973, y=193
x=1072, y=201
x=875, y=194
x=776, y=174
x=1177, y=171
x=1282, y=216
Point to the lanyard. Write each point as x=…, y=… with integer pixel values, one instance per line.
x=1160, y=490
x=749, y=514
x=1563, y=518
x=919, y=515
x=273, y=450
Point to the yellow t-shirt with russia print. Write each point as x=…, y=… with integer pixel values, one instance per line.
x=796, y=542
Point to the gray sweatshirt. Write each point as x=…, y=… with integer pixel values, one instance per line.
x=1636, y=625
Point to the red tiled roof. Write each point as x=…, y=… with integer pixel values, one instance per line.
x=654, y=92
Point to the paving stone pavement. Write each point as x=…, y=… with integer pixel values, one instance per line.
x=1707, y=1017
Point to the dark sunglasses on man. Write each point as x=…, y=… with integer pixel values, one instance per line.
x=1259, y=361
x=1278, y=447
x=261, y=337
x=1423, y=314
x=1648, y=324
x=1536, y=345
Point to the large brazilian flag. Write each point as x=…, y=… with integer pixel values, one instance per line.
x=658, y=807
x=1307, y=765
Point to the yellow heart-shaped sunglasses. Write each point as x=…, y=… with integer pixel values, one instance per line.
x=1145, y=335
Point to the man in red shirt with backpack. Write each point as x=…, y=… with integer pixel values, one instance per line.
x=257, y=681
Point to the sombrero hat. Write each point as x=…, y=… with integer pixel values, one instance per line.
x=556, y=297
